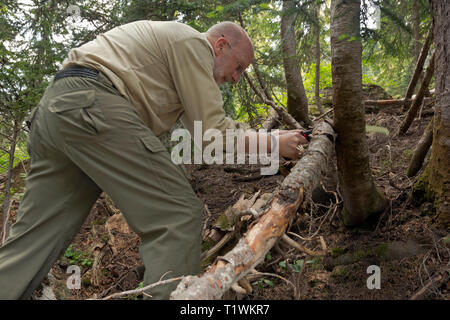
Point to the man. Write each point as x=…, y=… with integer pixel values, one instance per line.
x=96, y=129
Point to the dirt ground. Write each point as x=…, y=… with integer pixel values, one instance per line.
x=403, y=242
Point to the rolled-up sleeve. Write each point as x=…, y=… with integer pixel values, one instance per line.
x=191, y=64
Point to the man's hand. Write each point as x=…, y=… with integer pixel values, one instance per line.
x=288, y=143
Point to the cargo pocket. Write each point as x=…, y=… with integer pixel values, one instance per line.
x=79, y=111
x=158, y=162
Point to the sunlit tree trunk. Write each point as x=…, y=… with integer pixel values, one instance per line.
x=416, y=30
x=297, y=102
x=317, y=59
x=361, y=197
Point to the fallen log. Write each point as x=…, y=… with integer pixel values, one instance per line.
x=262, y=235
x=390, y=102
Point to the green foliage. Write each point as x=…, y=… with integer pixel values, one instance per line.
x=309, y=80
x=295, y=267
x=75, y=256
x=388, y=53
x=377, y=129
x=263, y=283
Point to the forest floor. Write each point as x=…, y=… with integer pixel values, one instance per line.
x=403, y=242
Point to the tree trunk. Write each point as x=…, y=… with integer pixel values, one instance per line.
x=416, y=30
x=421, y=150
x=8, y=182
x=361, y=197
x=251, y=249
x=417, y=102
x=418, y=70
x=297, y=102
x=317, y=58
x=437, y=174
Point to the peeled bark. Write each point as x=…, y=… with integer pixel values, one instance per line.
x=252, y=248
x=361, y=197
x=421, y=150
x=297, y=102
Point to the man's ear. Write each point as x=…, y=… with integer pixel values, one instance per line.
x=219, y=46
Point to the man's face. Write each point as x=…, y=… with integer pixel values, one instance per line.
x=230, y=62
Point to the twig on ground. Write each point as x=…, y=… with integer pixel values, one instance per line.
x=435, y=281
x=258, y=274
x=298, y=246
x=141, y=290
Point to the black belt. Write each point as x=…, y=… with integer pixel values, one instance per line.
x=84, y=72
x=77, y=71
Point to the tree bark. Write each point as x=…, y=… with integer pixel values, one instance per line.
x=438, y=173
x=421, y=150
x=260, y=238
x=419, y=68
x=416, y=30
x=8, y=181
x=297, y=102
x=317, y=58
x=412, y=112
x=361, y=197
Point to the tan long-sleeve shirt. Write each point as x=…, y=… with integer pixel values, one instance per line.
x=165, y=69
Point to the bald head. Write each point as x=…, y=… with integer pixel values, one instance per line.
x=229, y=42
x=235, y=33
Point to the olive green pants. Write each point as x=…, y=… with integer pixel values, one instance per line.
x=86, y=138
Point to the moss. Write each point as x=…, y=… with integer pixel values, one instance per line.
x=422, y=191
x=427, y=209
x=360, y=255
x=336, y=252
x=429, y=188
x=381, y=250
x=207, y=262
x=207, y=244
x=446, y=240
x=86, y=281
x=98, y=222
x=340, y=272
x=408, y=153
x=224, y=223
